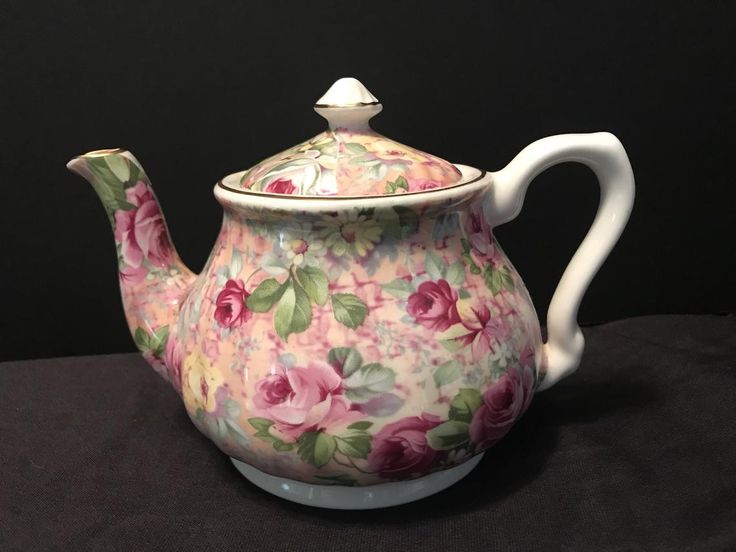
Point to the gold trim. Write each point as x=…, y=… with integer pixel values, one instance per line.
x=348, y=106
x=369, y=197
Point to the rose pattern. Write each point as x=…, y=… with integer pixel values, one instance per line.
x=484, y=328
x=297, y=363
x=173, y=358
x=343, y=162
x=281, y=186
x=401, y=450
x=231, y=308
x=141, y=231
x=303, y=399
x=421, y=184
x=503, y=403
x=478, y=232
x=434, y=305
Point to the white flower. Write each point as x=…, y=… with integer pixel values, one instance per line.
x=296, y=246
x=501, y=354
x=350, y=233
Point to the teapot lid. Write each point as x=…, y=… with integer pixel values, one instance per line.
x=348, y=159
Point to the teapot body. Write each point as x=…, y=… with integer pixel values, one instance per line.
x=357, y=342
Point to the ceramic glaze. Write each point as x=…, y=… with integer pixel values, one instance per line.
x=349, y=159
x=360, y=342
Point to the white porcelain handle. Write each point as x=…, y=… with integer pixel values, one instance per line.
x=605, y=155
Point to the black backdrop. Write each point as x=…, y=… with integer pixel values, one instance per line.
x=201, y=89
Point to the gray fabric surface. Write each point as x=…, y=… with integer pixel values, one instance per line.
x=633, y=452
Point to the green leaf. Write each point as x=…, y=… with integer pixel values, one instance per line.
x=371, y=380
x=399, y=183
x=141, y=339
x=348, y=309
x=135, y=174
x=464, y=404
x=360, y=426
x=340, y=479
x=448, y=436
x=508, y=279
x=265, y=296
x=456, y=274
x=316, y=447
x=118, y=165
x=434, y=265
x=355, y=147
x=107, y=186
x=293, y=313
x=314, y=282
x=408, y=221
x=261, y=424
x=345, y=360
x=466, y=245
x=357, y=445
x=390, y=223
x=447, y=373
x=157, y=342
x=399, y=288
x=463, y=294
x=498, y=278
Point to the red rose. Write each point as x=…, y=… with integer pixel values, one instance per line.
x=434, y=305
x=280, y=186
x=503, y=403
x=401, y=450
x=231, y=309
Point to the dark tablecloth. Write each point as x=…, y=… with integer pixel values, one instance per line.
x=636, y=451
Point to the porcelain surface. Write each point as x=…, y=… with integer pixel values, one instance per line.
x=355, y=341
x=349, y=159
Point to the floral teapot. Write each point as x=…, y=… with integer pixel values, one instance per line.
x=357, y=338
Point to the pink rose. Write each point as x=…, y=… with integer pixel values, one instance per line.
x=401, y=450
x=527, y=357
x=434, y=305
x=132, y=274
x=173, y=358
x=141, y=231
x=280, y=186
x=503, y=403
x=303, y=399
x=478, y=232
x=231, y=309
x=420, y=184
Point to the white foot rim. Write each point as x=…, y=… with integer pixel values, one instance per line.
x=340, y=497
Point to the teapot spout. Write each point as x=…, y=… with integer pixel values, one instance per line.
x=153, y=279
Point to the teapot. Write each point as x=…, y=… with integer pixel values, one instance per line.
x=357, y=338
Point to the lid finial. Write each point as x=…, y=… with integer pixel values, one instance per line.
x=347, y=92
x=348, y=104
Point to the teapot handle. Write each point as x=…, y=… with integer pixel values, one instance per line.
x=605, y=155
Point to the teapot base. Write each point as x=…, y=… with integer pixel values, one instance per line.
x=340, y=497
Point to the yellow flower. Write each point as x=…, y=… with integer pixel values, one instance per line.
x=200, y=382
